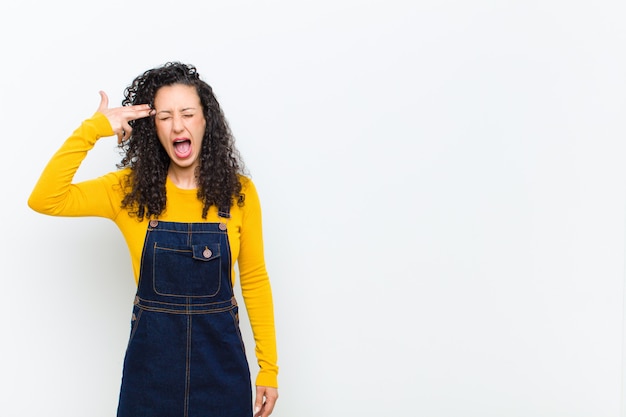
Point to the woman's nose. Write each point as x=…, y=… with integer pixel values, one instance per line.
x=177, y=124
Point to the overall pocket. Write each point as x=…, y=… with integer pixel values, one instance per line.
x=190, y=271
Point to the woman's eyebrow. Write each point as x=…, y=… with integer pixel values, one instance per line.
x=170, y=111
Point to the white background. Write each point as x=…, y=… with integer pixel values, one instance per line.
x=443, y=186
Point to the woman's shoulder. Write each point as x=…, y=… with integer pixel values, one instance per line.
x=249, y=193
x=246, y=184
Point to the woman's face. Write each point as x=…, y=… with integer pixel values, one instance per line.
x=180, y=123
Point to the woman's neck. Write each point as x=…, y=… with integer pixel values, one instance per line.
x=183, y=178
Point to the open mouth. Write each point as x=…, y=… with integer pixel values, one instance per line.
x=182, y=148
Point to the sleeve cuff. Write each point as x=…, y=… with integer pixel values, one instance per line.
x=267, y=379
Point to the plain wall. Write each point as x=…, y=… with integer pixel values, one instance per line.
x=442, y=182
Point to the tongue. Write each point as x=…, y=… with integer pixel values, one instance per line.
x=182, y=149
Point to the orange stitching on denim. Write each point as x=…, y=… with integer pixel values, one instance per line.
x=237, y=329
x=188, y=366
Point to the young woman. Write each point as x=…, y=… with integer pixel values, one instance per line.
x=187, y=213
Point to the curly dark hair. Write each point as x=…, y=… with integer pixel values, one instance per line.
x=218, y=175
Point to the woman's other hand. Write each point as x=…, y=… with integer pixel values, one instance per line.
x=265, y=399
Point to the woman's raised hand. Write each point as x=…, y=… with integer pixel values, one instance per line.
x=120, y=116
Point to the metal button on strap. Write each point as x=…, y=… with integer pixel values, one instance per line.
x=207, y=253
x=222, y=226
x=154, y=223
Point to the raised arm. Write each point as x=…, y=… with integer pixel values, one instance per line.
x=55, y=193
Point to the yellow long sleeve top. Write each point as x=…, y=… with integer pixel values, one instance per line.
x=55, y=194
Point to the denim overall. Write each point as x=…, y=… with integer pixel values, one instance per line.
x=185, y=356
